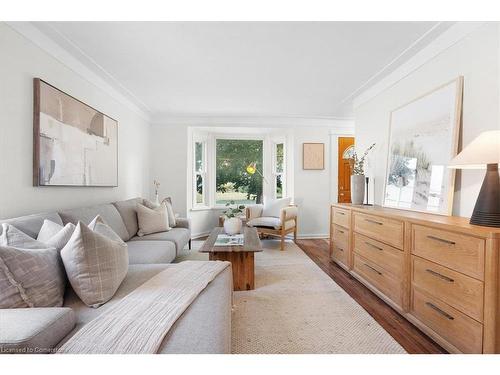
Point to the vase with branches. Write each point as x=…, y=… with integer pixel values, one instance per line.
x=357, y=164
x=157, y=187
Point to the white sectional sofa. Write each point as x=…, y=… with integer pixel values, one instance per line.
x=205, y=327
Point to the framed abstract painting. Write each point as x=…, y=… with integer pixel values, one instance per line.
x=73, y=143
x=313, y=156
x=423, y=138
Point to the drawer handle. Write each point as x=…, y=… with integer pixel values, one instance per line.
x=441, y=276
x=373, y=269
x=374, y=222
x=437, y=309
x=375, y=247
x=441, y=240
x=340, y=231
x=340, y=249
x=340, y=213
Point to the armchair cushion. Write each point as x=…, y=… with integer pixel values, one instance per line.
x=269, y=222
x=254, y=211
x=274, y=206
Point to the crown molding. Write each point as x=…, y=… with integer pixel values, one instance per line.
x=447, y=39
x=262, y=120
x=47, y=44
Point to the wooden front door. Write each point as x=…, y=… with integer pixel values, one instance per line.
x=346, y=144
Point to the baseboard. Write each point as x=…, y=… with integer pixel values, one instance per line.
x=312, y=236
x=199, y=235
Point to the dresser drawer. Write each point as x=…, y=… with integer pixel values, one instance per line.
x=340, y=236
x=457, y=251
x=387, y=257
x=339, y=254
x=382, y=280
x=461, y=292
x=341, y=217
x=383, y=229
x=458, y=329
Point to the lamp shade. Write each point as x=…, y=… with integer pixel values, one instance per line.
x=483, y=150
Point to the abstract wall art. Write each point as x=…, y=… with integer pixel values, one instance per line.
x=74, y=144
x=423, y=139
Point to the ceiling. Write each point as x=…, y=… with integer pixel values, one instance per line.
x=304, y=69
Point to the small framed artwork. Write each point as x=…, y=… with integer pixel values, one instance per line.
x=313, y=156
x=73, y=143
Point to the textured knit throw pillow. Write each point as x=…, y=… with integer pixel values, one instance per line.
x=95, y=265
x=55, y=235
x=152, y=220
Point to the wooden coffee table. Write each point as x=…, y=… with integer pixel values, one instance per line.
x=241, y=257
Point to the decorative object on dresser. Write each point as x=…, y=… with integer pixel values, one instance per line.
x=440, y=273
x=423, y=139
x=313, y=156
x=358, y=176
x=241, y=257
x=157, y=186
x=73, y=143
x=484, y=151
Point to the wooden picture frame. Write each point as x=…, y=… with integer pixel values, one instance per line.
x=438, y=202
x=313, y=156
x=74, y=144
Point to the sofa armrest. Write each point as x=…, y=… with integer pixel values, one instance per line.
x=34, y=330
x=182, y=222
x=254, y=211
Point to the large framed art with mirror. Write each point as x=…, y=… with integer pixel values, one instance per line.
x=423, y=138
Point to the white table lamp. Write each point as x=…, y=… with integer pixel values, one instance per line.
x=484, y=151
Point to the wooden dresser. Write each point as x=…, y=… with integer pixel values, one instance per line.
x=439, y=272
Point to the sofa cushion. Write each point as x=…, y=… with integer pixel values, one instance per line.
x=128, y=212
x=95, y=265
x=31, y=224
x=30, y=278
x=98, y=225
x=205, y=327
x=150, y=252
x=269, y=222
x=36, y=330
x=179, y=236
x=86, y=214
x=55, y=235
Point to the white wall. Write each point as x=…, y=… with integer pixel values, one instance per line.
x=312, y=190
x=20, y=62
x=476, y=57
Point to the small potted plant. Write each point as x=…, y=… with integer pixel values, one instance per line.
x=358, y=176
x=232, y=220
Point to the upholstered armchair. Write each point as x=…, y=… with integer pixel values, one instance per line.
x=273, y=221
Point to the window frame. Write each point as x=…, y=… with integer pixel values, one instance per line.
x=203, y=173
x=275, y=172
x=242, y=137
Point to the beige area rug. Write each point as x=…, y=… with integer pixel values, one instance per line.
x=297, y=308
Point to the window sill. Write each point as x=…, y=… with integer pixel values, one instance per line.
x=206, y=208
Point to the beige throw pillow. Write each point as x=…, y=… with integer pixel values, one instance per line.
x=55, y=235
x=152, y=220
x=30, y=277
x=95, y=265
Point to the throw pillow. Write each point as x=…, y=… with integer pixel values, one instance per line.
x=100, y=226
x=30, y=278
x=152, y=220
x=55, y=235
x=13, y=237
x=273, y=206
x=95, y=265
x=171, y=215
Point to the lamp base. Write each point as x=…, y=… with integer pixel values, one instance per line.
x=487, y=208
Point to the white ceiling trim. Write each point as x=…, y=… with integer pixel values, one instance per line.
x=446, y=40
x=33, y=34
x=254, y=121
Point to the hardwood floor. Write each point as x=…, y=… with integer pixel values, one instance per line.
x=405, y=333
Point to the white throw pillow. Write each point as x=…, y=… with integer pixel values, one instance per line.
x=273, y=207
x=98, y=225
x=95, y=265
x=152, y=220
x=55, y=235
x=13, y=237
